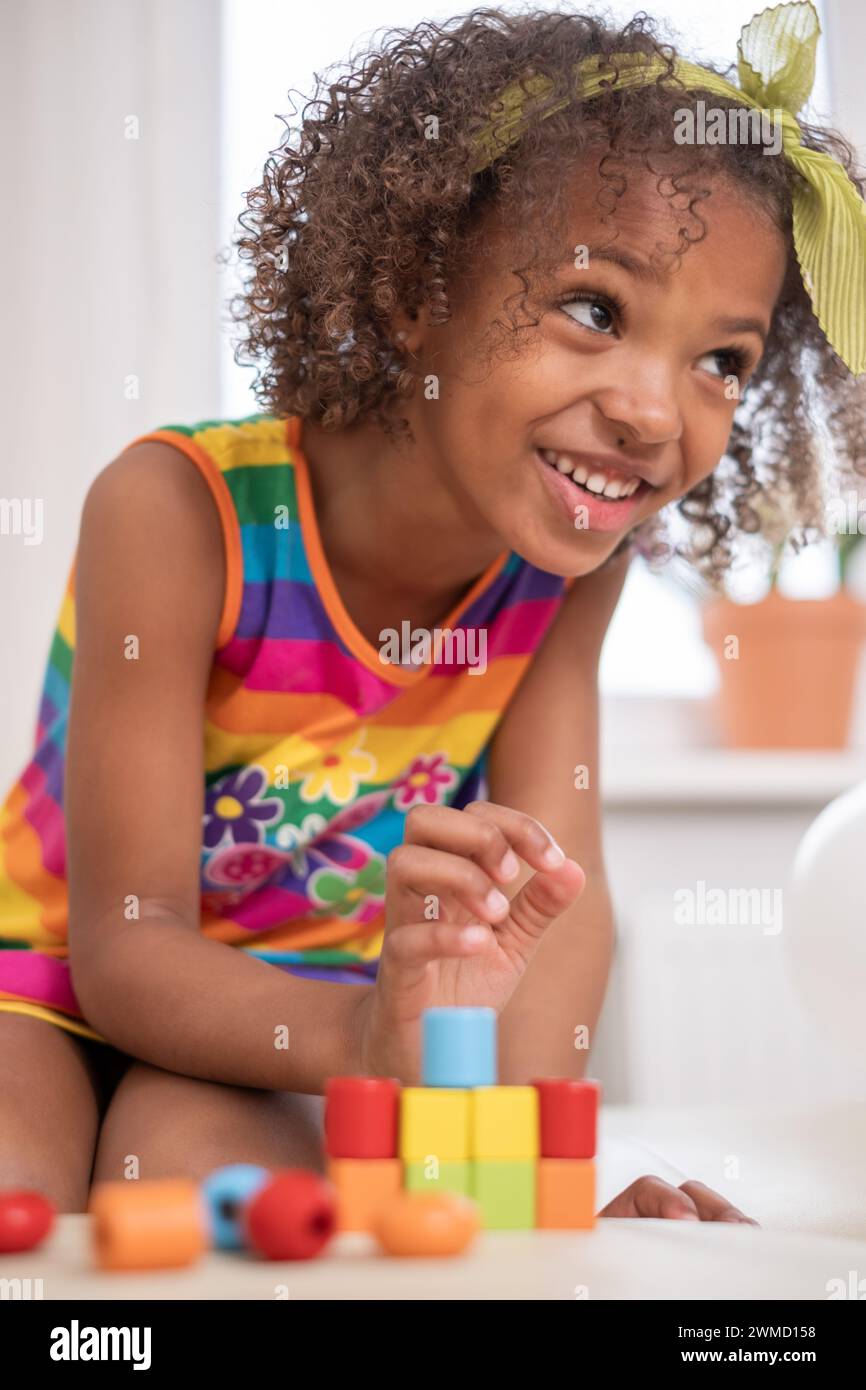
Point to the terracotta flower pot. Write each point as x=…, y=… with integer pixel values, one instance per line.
x=791, y=682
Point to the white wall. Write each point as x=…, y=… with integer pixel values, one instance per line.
x=107, y=246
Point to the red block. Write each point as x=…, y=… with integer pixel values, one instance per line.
x=361, y=1117
x=568, y=1115
x=292, y=1217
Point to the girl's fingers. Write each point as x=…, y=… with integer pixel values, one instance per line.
x=712, y=1206
x=653, y=1197
x=416, y=872
x=544, y=898
x=441, y=827
x=496, y=837
x=526, y=836
x=407, y=952
x=691, y=1201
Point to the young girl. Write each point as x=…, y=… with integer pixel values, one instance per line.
x=334, y=692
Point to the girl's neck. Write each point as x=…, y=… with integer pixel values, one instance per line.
x=398, y=543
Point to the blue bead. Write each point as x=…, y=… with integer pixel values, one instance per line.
x=226, y=1192
x=458, y=1047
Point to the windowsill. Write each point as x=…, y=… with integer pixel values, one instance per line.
x=637, y=777
x=664, y=752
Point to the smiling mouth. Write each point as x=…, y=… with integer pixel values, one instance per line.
x=602, y=484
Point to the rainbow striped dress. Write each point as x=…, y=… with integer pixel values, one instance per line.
x=315, y=748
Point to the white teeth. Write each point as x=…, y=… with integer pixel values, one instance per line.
x=599, y=483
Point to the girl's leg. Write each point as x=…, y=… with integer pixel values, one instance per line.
x=49, y=1110
x=179, y=1126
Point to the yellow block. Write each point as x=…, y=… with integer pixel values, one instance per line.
x=434, y=1123
x=505, y=1122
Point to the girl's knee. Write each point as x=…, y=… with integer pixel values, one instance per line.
x=160, y=1124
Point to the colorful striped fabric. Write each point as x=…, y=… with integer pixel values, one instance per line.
x=315, y=747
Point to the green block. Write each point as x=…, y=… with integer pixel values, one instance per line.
x=505, y=1191
x=455, y=1175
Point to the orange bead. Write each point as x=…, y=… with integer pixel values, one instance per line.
x=565, y=1194
x=427, y=1223
x=161, y=1224
x=363, y=1186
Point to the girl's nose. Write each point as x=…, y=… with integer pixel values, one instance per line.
x=644, y=408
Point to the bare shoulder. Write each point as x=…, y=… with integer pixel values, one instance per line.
x=153, y=477
x=150, y=522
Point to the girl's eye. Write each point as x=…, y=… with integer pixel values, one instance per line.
x=726, y=362
x=590, y=311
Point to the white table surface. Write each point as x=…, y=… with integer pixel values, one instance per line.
x=801, y=1176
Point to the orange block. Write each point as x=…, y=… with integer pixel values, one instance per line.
x=363, y=1186
x=565, y=1194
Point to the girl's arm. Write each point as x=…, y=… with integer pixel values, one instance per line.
x=150, y=567
x=550, y=729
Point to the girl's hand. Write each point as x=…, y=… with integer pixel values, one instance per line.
x=451, y=935
x=691, y=1201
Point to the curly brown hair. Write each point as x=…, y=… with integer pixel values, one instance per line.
x=360, y=213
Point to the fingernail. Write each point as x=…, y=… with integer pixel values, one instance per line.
x=473, y=936
x=496, y=903
x=553, y=856
x=510, y=864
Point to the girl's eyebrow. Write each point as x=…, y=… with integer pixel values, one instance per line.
x=742, y=326
x=606, y=252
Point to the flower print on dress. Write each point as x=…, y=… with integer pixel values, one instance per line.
x=297, y=839
x=347, y=896
x=426, y=780
x=232, y=809
x=339, y=772
x=244, y=866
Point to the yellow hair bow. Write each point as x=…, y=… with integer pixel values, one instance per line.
x=776, y=67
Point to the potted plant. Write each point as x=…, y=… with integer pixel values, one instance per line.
x=788, y=667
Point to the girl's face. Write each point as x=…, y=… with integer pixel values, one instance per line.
x=623, y=396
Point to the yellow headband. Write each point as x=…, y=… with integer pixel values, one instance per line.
x=776, y=66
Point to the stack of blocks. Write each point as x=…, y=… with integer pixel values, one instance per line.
x=525, y=1154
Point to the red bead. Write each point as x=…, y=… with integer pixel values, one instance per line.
x=568, y=1114
x=25, y=1220
x=292, y=1217
x=361, y=1117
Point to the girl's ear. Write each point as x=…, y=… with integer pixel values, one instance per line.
x=406, y=331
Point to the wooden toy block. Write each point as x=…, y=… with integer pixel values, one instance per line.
x=26, y=1218
x=361, y=1117
x=568, y=1117
x=454, y=1176
x=566, y=1194
x=458, y=1048
x=505, y=1191
x=163, y=1223
x=434, y=1124
x=227, y=1191
x=504, y=1122
x=292, y=1217
x=430, y=1224
x=363, y=1186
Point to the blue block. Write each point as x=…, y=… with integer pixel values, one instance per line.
x=227, y=1191
x=458, y=1047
